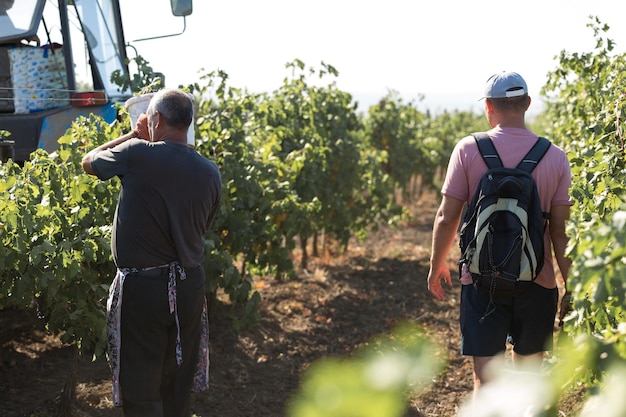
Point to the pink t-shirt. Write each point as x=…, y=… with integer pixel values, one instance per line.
x=552, y=174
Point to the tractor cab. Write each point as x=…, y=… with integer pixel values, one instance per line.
x=57, y=59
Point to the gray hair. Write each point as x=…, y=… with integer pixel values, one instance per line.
x=175, y=106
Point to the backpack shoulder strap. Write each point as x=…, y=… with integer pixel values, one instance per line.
x=487, y=150
x=532, y=158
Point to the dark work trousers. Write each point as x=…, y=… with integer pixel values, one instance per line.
x=151, y=382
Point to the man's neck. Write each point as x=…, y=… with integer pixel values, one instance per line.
x=172, y=135
x=517, y=125
x=512, y=120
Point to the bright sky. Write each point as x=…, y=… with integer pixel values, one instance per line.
x=443, y=49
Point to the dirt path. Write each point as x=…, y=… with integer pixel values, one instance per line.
x=331, y=310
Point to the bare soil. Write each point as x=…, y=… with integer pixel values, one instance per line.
x=340, y=302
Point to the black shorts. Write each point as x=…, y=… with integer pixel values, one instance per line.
x=526, y=320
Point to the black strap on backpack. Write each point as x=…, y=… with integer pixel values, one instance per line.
x=492, y=159
x=528, y=163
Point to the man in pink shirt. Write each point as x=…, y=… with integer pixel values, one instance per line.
x=527, y=319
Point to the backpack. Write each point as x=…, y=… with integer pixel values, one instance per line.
x=501, y=237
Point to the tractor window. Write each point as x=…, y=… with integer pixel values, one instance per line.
x=19, y=19
x=98, y=19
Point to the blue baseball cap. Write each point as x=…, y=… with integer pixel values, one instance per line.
x=504, y=85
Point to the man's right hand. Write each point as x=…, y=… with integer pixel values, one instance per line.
x=565, y=307
x=141, y=128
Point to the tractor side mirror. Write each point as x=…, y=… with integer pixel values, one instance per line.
x=181, y=7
